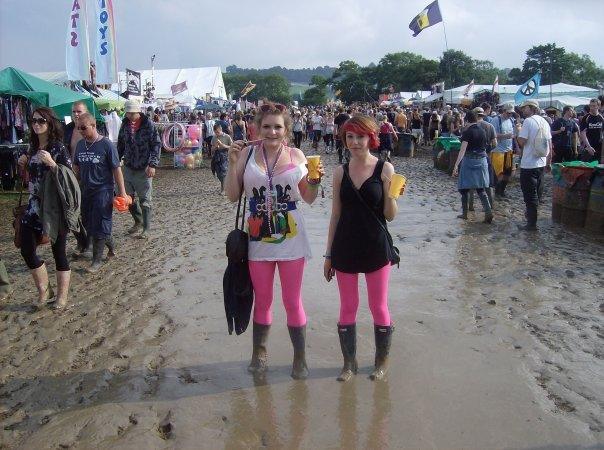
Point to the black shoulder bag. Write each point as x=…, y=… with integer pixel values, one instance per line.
x=395, y=257
x=237, y=240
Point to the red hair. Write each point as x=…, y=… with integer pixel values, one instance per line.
x=363, y=126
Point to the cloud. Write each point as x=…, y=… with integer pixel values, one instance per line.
x=190, y=33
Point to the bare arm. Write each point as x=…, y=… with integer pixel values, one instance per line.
x=308, y=191
x=336, y=208
x=119, y=179
x=234, y=177
x=390, y=205
x=462, y=152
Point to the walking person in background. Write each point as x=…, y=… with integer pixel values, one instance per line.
x=220, y=161
x=387, y=137
x=139, y=146
x=275, y=179
x=328, y=130
x=592, y=130
x=97, y=166
x=565, y=136
x=434, y=127
x=340, y=120
x=535, y=140
x=502, y=156
x=472, y=167
x=298, y=126
x=71, y=135
x=357, y=241
x=317, y=127
x=46, y=152
x=239, y=127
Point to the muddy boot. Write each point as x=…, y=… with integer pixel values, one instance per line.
x=63, y=277
x=298, y=338
x=486, y=206
x=137, y=215
x=348, y=344
x=98, y=246
x=146, y=223
x=489, y=192
x=110, y=247
x=383, y=338
x=40, y=276
x=471, y=200
x=464, y=207
x=5, y=287
x=502, y=185
x=259, y=354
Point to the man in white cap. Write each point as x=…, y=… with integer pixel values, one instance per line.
x=535, y=141
x=139, y=146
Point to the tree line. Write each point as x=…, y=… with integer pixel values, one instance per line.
x=409, y=72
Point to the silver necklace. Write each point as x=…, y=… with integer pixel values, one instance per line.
x=88, y=147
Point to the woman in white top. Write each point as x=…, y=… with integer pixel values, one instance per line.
x=274, y=179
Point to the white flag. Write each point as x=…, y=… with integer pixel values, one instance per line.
x=105, y=54
x=77, y=59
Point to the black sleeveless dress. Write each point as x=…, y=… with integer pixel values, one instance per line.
x=360, y=245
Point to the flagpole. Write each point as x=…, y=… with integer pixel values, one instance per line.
x=449, y=67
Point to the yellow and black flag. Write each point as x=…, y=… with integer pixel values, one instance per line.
x=249, y=87
x=428, y=17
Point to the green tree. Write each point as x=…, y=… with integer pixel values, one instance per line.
x=405, y=71
x=456, y=68
x=272, y=87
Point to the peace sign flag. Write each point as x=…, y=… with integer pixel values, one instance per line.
x=529, y=89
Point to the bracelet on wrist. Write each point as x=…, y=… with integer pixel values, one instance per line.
x=316, y=182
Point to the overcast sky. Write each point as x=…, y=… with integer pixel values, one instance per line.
x=295, y=33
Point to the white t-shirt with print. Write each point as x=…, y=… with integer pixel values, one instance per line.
x=529, y=131
x=317, y=123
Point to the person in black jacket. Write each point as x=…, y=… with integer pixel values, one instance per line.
x=139, y=147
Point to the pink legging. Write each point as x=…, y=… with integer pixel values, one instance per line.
x=377, y=292
x=290, y=274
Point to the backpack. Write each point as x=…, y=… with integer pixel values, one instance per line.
x=540, y=142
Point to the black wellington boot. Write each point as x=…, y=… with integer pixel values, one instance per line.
x=348, y=344
x=137, y=215
x=98, y=246
x=146, y=223
x=259, y=353
x=464, y=207
x=298, y=338
x=383, y=338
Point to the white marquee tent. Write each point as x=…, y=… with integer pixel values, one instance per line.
x=201, y=83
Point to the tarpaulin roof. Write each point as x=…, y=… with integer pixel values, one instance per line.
x=16, y=82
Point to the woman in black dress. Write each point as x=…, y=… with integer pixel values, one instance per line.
x=358, y=243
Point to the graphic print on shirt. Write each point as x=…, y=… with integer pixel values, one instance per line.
x=281, y=225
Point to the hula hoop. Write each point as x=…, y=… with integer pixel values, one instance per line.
x=166, y=137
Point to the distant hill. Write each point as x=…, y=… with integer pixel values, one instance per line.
x=301, y=76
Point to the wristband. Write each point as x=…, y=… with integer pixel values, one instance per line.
x=313, y=182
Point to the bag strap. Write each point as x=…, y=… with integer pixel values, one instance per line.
x=249, y=155
x=362, y=200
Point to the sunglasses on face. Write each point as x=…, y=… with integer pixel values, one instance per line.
x=39, y=121
x=83, y=127
x=278, y=106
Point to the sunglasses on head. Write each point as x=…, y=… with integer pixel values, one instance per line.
x=278, y=106
x=39, y=120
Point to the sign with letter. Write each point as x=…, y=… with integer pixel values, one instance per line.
x=105, y=54
x=133, y=82
x=76, y=53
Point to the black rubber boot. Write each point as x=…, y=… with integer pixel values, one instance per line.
x=146, y=223
x=98, y=246
x=502, y=185
x=383, y=338
x=489, y=192
x=259, y=353
x=464, y=207
x=471, y=200
x=348, y=344
x=137, y=215
x=110, y=247
x=486, y=206
x=298, y=338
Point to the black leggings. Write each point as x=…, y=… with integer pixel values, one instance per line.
x=29, y=244
x=297, y=139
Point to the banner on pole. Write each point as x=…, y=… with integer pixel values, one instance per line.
x=529, y=89
x=468, y=89
x=178, y=88
x=249, y=87
x=133, y=82
x=77, y=58
x=105, y=52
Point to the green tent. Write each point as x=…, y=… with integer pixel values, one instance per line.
x=42, y=93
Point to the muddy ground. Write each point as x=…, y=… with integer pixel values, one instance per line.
x=499, y=338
